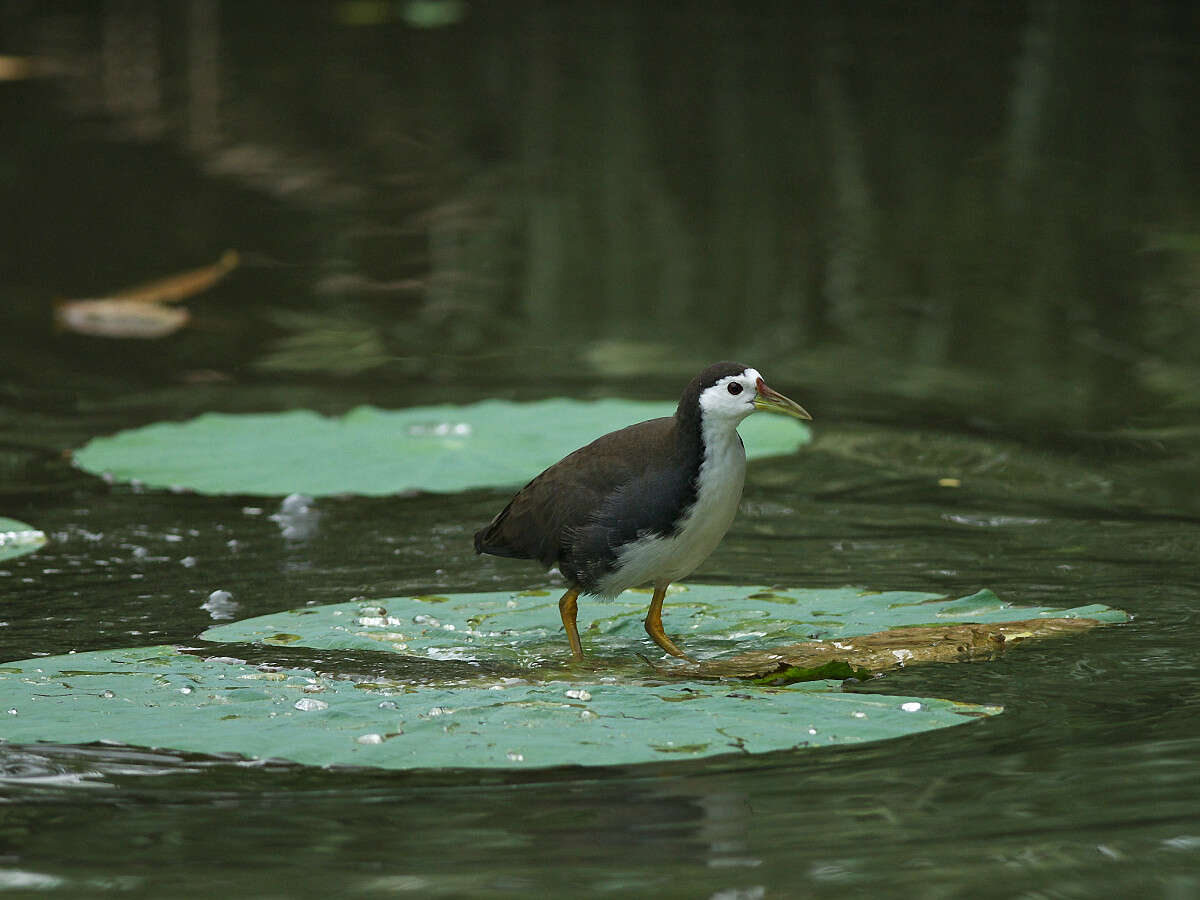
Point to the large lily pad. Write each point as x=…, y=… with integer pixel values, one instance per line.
x=483, y=680
x=523, y=628
x=374, y=451
x=161, y=697
x=17, y=538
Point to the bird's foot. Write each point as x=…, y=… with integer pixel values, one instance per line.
x=568, y=608
x=654, y=626
x=660, y=637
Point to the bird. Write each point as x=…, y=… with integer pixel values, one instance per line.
x=644, y=505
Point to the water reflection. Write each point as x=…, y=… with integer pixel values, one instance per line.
x=713, y=830
x=552, y=178
x=298, y=517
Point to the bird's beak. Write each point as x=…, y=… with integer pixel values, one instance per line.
x=769, y=400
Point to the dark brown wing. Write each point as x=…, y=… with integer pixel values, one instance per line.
x=594, y=497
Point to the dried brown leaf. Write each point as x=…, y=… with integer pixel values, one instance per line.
x=890, y=649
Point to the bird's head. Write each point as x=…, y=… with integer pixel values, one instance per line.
x=731, y=391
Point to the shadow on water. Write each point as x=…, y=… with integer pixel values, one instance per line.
x=967, y=240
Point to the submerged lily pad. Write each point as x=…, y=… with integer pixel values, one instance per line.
x=17, y=538
x=523, y=627
x=160, y=697
x=374, y=451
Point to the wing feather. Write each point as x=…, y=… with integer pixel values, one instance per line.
x=580, y=511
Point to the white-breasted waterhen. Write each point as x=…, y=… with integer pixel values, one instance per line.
x=643, y=505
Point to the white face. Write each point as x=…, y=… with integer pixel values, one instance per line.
x=731, y=398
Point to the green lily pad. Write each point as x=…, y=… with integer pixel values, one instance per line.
x=523, y=628
x=160, y=697
x=511, y=699
x=373, y=451
x=17, y=538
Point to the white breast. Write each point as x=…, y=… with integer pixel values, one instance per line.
x=659, y=560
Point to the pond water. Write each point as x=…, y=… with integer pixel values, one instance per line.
x=967, y=240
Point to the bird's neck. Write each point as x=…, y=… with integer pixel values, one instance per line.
x=721, y=446
x=712, y=443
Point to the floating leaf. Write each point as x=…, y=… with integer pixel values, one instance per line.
x=883, y=650
x=523, y=629
x=160, y=697
x=120, y=318
x=182, y=285
x=139, y=311
x=17, y=538
x=373, y=451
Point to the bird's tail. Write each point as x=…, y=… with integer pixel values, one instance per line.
x=490, y=539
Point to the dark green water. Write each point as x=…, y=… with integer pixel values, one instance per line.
x=967, y=239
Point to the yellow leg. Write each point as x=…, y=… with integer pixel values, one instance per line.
x=568, y=609
x=654, y=624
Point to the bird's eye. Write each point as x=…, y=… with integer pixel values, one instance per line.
x=735, y=388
